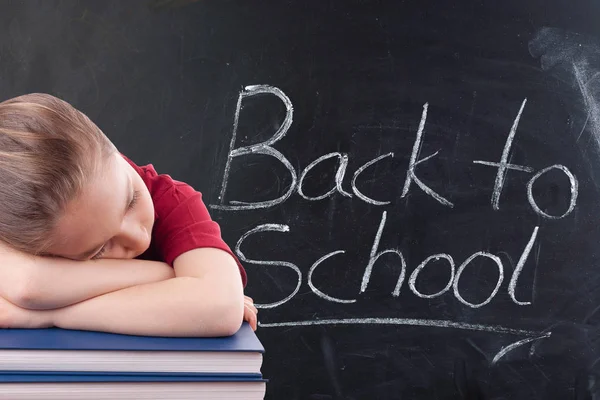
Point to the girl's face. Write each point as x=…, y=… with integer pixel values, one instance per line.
x=112, y=218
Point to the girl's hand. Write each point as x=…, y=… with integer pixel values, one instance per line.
x=14, y=317
x=250, y=312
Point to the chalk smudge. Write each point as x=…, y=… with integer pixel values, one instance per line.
x=575, y=59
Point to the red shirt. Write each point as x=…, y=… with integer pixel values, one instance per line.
x=181, y=220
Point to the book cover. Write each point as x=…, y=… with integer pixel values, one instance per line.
x=60, y=350
x=245, y=340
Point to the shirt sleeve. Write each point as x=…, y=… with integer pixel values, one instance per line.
x=183, y=223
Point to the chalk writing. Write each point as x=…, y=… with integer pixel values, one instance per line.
x=405, y=321
x=242, y=257
x=259, y=148
x=574, y=191
x=519, y=343
x=533, y=336
x=410, y=174
x=413, y=277
x=313, y=287
x=339, y=176
x=515, y=277
x=462, y=267
x=374, y=256
x=266, y=148
x=452, y=287
x=503, y=165
x=359, y=171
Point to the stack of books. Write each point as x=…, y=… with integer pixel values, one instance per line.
x=68, y=364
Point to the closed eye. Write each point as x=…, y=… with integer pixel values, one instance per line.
x=100, y=253
x=134, y=200
x=131, y=205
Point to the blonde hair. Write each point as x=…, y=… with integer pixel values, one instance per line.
x=48, y=150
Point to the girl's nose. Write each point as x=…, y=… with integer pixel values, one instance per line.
x=132, y=239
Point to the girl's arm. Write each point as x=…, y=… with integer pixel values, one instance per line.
x=204, y=299
x=43, y=283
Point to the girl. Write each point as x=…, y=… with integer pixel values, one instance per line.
x=89, y=240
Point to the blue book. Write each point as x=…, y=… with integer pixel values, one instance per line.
x=71, y=377
x=56, y=350
x=95, y=386
x=79, y=377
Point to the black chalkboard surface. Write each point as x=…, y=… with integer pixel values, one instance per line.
x=413, y=186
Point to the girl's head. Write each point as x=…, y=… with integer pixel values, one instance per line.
x=65, y=190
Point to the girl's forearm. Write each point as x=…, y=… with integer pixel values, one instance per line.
x=55, y=282
x=182, y=306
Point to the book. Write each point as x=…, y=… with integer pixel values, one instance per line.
x=76, y=376
x=151, y=386
x=55, y=350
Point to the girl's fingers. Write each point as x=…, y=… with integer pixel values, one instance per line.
x=250, y=316
x=250, y=312
x=251, y=308
x=250, y=303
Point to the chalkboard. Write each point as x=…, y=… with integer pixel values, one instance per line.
x=412, y=186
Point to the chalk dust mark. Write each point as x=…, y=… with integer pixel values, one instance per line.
x=477, y=348
x=535, y=274
x=587, y=119
x=574, y=58
x=591, y=314
x=582, y=71
x=164, y=4
x=329, y=359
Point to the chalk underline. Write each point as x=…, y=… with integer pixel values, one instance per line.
x=436, y=323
